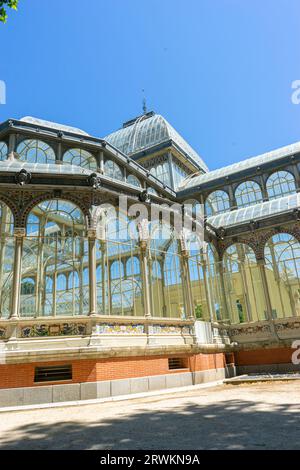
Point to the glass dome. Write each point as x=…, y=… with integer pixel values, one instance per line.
x=147, y=131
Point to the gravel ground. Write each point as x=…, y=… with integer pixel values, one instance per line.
x=256, y=416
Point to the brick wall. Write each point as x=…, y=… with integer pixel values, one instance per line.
x=264, y=356
x=22, y=375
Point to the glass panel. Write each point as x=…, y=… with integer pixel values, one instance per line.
x=119, y=283
x=282, y=257
x=35, y=151
x=54, y=276
x=3, y=151
x=179, y=174
x=216, y=203
x=55, y=261
x=248, y=193
x=7, y=250
x=243, y=285
x=166, y=288
x=113, y=170
x=280, y=184
x=162, y=172
x=131, y=179
x=80, y=157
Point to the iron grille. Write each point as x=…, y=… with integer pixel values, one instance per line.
x=53, y=373
x=177, y=363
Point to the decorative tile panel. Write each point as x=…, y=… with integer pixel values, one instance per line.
x=295, y=325
x=250, y=330
x=120, y=329
x=64, y=329
x=170, y=330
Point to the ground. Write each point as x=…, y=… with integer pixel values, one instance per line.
x=256, y=416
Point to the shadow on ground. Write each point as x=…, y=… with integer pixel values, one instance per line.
x=231, y=424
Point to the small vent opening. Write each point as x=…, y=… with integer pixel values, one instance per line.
x=53, y=373
x=177, y=363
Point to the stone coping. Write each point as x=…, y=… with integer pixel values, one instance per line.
x=236, y=326
x=97, y=319
x=16, y=356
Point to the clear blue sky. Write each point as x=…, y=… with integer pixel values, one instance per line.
x=219, y=70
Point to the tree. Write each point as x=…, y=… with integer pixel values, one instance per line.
x=4, y=4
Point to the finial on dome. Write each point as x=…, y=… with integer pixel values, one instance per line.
x=144, y=103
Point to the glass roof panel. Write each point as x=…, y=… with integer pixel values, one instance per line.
x=17, y=165
x=52, y=125
x=255, y=212
x=240, y=166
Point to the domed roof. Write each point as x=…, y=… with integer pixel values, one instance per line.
x=147, y=131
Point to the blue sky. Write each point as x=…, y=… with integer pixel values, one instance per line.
x=219, y=70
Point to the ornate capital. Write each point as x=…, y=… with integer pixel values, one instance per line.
x=91, y=233
x=143, y=245
x=19, y=232
x=260, y=262
x=185, y=254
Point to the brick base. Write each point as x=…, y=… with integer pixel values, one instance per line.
x=264, y=356
x=85, y=370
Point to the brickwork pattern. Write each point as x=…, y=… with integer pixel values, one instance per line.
x=22, y=375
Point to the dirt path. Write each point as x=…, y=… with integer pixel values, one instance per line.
x=260, y=416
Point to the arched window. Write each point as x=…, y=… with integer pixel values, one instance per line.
x=3, y=151
x=243, y=286
x=35, y=151
x=7, y=250
x=112, y=170
x=124, y=294
x=57, y=217
x=81, y=158
x=61, y=283
x=133, y=266
x=217, y=202
x=55, y=249
x=282, y=257
x=131, y=179
x=172, y=265
x=248, y=193
x=28, y=286
x=280, y=184
x=118, y=270
x=166, y=288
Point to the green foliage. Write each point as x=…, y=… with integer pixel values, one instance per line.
x=198, y=312
x=4, y=4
